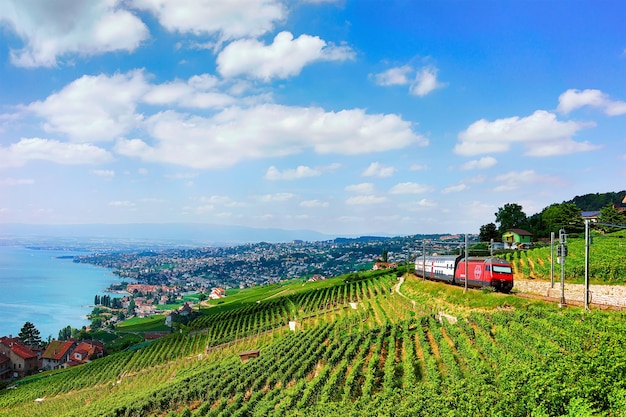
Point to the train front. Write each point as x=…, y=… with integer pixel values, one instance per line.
x=501, y=275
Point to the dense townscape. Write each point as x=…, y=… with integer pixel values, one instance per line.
x=262, y=263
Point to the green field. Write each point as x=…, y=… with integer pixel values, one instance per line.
x=607, y=260
x=430, y=349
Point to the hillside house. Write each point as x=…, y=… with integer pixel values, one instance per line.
x=86, y=352
x=56, y=354
x=217, y=293
x=515, y=238
x=23, y=360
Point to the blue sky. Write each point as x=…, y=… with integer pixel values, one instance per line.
x=344, y=117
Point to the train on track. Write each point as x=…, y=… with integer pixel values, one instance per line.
x=490, y=272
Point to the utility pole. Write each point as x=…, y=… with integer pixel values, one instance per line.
x=423, y=259
x=562, y=253
x=551, y=259
x=466, y=260
x=587, y=264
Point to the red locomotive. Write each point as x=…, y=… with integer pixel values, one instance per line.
x=483, y=271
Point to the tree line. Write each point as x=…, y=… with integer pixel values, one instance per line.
x=566, y=215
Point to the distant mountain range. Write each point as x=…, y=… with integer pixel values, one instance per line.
x=180, y=233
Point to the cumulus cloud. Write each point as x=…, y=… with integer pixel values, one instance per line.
x=93, y=108
x=517, y=179
x=285, y=57
x=301, y=171
x=313, y=204
x=573, y=99
x=50, y=30
x=197, y=92
x=228, y=19
x=540, y=133
x=482, y=163
x=454, y=189
x=376, y=169
x=362, y=188
x=278, y=197
x=410, y=188
x=29, y=149
x=267, y=130
x=365, y=200
x=425, y=82
x=421, y=84
x=394, y=76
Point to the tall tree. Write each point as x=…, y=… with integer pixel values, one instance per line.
x=510, y=216
x=489, y=231
x=609, y=214
x=65, y=333
x=563, y=216
x=29, y=335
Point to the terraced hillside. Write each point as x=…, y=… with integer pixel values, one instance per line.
x=419, y=348
x=607, y=264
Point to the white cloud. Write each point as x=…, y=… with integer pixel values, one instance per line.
x=418, y=167
x=482, y=163
x=105, y=173
x=573, y=99
x=314, y=204
x=376, y=169
x=454, y=189
x=425, y=82
x=541, y=133
x=517, y=179
x=410, y=188
x=52, y=29
x=229, y=19
x=302, y=171
x=28, y=149
x=278, y=197
x=362, y=188
x=365, y=200
x=13, y=182
x=394, y=76
x=195, y=93
x=236, y=134
x=94, y=108
x=285, y=57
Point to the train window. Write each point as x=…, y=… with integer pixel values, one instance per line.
x=487, y=268
x=502, y=269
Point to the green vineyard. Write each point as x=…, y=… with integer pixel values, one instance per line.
x=368, y=344
x=607, y=261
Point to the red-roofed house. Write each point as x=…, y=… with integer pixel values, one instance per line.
x=56, y=354
x=25, y=361
x=22, y=360
x=86, y=352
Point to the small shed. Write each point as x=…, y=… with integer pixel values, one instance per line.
x=249, y=354
x=513, y=237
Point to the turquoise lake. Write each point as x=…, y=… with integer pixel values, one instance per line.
x=37, y=286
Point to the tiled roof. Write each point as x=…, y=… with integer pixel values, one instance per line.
x=23, y=351
x=520, y=232
x=57, y=349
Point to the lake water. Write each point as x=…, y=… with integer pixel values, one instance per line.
x=52, y=293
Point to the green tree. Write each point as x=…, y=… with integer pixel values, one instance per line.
x=29, y=335
x=65, y=333
x=385, y=255
x=489, y=231
x=609, y=214
x=511, y=216
x=563, y=216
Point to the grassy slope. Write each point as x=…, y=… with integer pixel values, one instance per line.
x=505, y=356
